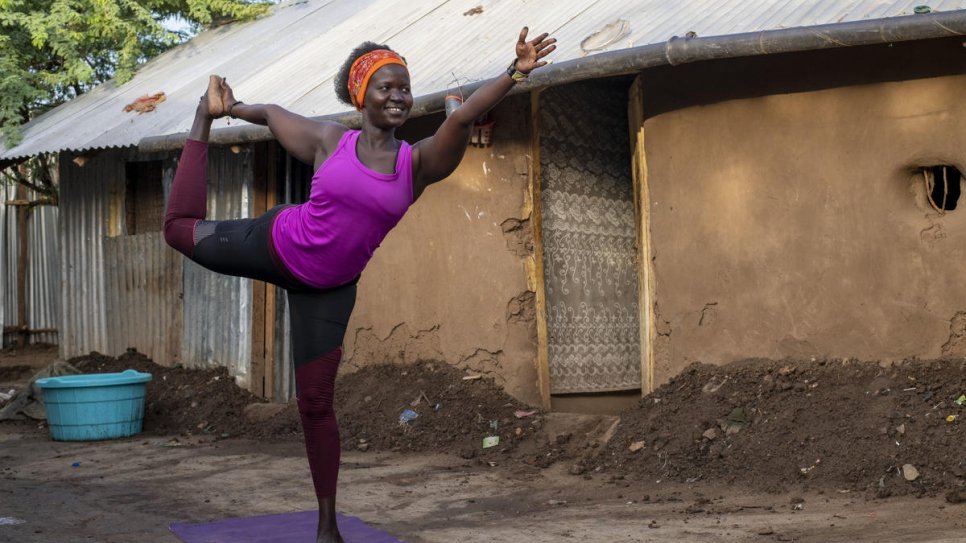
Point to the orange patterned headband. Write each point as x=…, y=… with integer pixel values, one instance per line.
x=363, y=68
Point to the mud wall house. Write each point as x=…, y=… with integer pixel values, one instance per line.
x=807, y=205
x=754, y=188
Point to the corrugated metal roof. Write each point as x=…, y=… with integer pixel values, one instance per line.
x=291, y=56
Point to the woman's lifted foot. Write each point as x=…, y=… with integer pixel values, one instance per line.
x=216, y=102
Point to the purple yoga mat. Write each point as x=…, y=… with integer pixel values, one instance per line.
x=286, y=527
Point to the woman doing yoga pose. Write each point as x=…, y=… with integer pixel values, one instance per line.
x=364, y=182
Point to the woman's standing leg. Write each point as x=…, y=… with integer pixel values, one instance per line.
x=318, y=324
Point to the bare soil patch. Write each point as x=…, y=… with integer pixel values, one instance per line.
x=13, y=374
x=826, y=426
x=181, y=400
x=17, y=365
x=453, y=414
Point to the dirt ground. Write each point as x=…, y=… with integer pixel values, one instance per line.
x=759, y=450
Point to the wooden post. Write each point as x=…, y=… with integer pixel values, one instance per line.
x=271, y=200
x=257, y=383
x=536, y=265
x=642, y=206
x=265, y=181
x=23, y=255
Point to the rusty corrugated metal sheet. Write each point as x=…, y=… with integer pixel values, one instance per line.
x=296, y=184
x=8, y=259
x=43, y=274
x=217, y=327
x=134, y=278
x=291, y=56
x=85, y=213
x=43, y=268
x=143, y=286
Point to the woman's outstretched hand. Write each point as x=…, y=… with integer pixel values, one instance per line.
x=530, y=53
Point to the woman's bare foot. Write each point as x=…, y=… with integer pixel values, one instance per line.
x=227, y=97
x=216, y=103
x=328, y=531
x=329, y=538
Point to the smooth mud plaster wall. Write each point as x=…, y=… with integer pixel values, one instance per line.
x=450, y=282
x=793, y=226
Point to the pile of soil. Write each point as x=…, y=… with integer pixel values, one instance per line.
x=453, y=414
x=181, y=400
x=820, y=425
x=829, y=425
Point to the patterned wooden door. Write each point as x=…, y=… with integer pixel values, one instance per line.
x=589, y=239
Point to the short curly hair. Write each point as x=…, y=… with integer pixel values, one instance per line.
x=342, y=78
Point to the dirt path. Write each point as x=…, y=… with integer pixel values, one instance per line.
x=17, y=365
x=755, y=451
x=130, y=490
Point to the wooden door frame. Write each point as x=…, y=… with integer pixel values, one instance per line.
x=642, y=207
x=641, y=195
x=535, y=275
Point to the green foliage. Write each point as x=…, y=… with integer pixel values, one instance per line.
x=53, y=50
x=37, y=173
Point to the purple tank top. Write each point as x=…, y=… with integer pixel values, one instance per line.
x=328, y=240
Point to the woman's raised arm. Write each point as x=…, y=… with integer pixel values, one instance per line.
x=435, y=157
x=307, y=140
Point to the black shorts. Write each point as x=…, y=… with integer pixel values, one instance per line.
x=244, y=248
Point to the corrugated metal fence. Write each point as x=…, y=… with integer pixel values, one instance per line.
x=143, y=303
x=85, y=200
x=217, y=308
x=296, y=182
x=133, y=291
x=43, y=268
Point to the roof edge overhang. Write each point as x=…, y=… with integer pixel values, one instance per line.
x=673, y=52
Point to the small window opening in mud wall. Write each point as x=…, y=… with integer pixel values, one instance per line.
x=143, y=197
x=942, y=187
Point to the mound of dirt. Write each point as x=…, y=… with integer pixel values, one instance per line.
x=821, y=425
x=453, y=414
x=181, y=400
x=829, y=425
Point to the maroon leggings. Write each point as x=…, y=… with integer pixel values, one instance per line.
x=318, y=317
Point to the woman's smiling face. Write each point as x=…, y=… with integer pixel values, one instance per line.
x=389, y=97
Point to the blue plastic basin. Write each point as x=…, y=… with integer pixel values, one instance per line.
x=95, y=406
